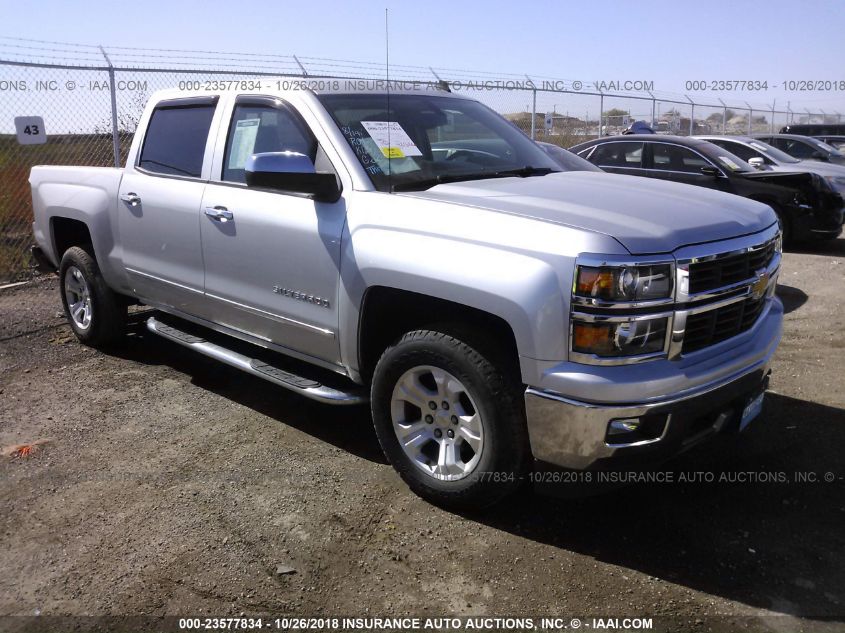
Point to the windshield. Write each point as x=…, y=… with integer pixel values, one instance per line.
x=724, y=158
x=566, y=159
x=422, y=140
x=824, y=146
x=772, y=152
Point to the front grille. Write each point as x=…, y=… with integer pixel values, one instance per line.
x=713, y=326
x=729, y=269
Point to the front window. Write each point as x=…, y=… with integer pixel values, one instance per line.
x=423, y=140
x=258, y=128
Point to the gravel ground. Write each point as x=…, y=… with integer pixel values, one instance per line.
x=174, y=485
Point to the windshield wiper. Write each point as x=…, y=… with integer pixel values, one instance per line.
x=427, y=183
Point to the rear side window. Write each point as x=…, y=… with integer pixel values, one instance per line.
x=622, y=154
x=175, y=141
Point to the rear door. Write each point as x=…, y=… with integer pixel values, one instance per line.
x=159, y=204
x=272, y=263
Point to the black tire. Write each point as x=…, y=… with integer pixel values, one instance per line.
x=504, y=458
x=107, y=324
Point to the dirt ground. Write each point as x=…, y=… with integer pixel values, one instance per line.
x=174, y=485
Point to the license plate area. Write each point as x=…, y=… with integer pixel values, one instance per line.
x=751, y=411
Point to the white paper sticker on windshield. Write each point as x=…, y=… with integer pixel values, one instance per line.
x=727, y=161
x=391, y=139
x=243, y=142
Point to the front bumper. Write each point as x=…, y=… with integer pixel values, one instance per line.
x=572, y=433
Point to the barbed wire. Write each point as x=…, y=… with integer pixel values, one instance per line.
x=81, y=55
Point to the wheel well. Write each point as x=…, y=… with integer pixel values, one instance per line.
x=388, y=313
x=67, y=233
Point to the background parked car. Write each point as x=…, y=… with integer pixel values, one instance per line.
x=806, y=205
x=814, y=129
x=834, y=140
x=769, y=158
x=804, y=147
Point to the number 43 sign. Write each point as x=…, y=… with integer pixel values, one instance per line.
x=30, y=130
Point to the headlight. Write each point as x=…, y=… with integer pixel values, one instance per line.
x=624, y=283
x=619, y=338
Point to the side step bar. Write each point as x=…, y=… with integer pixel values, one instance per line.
x=303, y=386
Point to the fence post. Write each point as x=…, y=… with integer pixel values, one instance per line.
x=750, y=116
x=724, y=117
x=691, y=116
x=301, y=67
x=772, y=123
x=653, y=104
x=115, y=135
x=601, y=110
x=533, y=113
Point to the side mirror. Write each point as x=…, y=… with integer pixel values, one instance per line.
x=291, y=171
x=757, y=162
x=710, y=170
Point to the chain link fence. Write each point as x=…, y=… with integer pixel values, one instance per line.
x=90, y=114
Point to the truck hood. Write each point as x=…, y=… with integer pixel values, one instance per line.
x=645, y=215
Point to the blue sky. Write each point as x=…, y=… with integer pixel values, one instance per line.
x=665, y=42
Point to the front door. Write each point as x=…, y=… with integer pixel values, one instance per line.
x=272, y=259
x=681, y=164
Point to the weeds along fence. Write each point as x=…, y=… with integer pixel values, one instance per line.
x=90, y=111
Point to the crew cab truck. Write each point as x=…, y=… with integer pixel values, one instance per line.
x=415, y=251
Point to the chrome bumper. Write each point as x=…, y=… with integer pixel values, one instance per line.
x=572, y=433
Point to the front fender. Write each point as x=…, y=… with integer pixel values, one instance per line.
x=525, y=291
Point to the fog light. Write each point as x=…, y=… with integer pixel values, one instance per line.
x=623, y=427
x=643, y=430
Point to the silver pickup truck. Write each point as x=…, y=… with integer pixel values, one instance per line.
x=415, y=251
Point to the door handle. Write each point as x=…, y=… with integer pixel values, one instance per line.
x=220, y=214
x=132, y=199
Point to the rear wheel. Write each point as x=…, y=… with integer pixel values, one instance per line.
x=96, y=314
x=449, y=420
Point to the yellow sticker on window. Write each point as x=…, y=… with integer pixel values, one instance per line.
x=392, y=152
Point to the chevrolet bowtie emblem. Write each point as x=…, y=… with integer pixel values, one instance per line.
x=759, y=287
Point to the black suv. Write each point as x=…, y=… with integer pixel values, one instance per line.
x=805, y=203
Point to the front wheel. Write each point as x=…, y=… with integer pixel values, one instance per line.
x=95, y=313
x=450, y=421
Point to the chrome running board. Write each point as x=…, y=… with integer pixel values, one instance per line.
x=298, y=384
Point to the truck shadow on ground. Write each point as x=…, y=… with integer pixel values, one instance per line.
x=823, y=247
x=347, y=427
x=766, y=531
x=751, y=518
x=792, y=298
